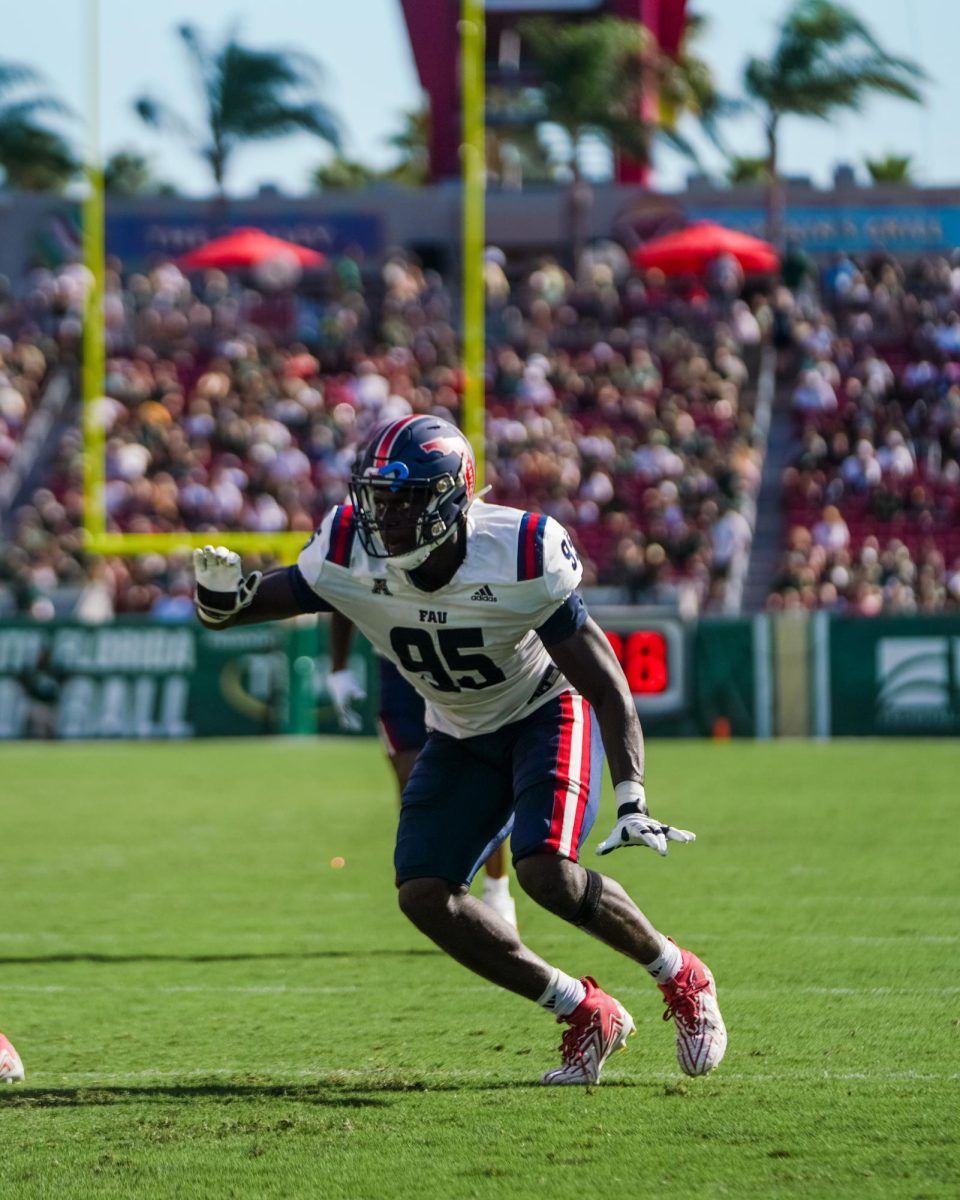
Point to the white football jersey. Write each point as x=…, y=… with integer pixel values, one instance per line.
x=469, y=648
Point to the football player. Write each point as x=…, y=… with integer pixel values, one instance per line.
x=477, y=606
x=403, y=732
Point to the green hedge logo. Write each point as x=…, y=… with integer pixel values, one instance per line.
x=917, y=680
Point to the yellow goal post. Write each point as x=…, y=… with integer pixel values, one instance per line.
x=283, y=545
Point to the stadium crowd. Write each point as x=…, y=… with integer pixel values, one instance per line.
x=872, y=495
x=614, y=404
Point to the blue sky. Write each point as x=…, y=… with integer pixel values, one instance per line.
x=371, y=79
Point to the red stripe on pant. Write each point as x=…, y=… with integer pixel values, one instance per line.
x=583, y=797
x=563, y=772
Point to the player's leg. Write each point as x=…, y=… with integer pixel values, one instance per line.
x=456, y=808
x=403, y=732
x=555, y=811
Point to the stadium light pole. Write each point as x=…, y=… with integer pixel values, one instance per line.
x=473, y=159
x=94, y=351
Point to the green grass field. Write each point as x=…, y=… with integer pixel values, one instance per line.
x=206, y=1007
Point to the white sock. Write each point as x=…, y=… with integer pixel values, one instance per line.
x=496, y=886
x=563, y=994
x=667, y=964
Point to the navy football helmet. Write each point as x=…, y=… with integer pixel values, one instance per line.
x=413, y=481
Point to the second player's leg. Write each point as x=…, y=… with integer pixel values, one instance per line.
x=472, y=933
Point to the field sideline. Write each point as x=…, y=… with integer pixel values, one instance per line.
x=206, y=1007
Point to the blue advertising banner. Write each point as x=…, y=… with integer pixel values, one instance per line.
x=826, y=229
x=136, y=237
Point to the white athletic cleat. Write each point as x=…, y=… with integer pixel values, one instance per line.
x=502, y=904
x=691, y=999
x=598, y=1027
x=11, y=1068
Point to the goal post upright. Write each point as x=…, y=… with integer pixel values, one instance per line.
x=473, y=168
x=285, y=545
x=94, y=334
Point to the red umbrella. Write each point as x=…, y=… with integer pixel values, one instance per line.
x=248, y=248
x=688, y=251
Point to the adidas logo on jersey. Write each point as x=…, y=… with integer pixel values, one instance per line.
x=484, y=593
x=380, y=588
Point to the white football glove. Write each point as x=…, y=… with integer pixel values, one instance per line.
x=346, y=690
x=638, y=828
x=222, y=589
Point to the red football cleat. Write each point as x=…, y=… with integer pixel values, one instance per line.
x=11, y=1068
x=691, y=999
x=598, y=1026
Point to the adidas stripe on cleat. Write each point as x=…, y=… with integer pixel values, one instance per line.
x=598, y=1026
x=691, y=1000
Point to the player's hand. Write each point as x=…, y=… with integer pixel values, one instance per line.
x=222, y=589
x=639, y=829
x=346, y=690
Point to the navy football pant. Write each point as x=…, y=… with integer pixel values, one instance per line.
x=544, y=773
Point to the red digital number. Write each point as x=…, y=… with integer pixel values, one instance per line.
x=645, y=662
x=643, y=656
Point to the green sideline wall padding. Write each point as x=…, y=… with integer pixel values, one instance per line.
x=738, y=677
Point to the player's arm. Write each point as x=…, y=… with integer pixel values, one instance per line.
x=588, y=662
x=580, y=649
x=344, y=687
x=341, y=639
x=225, y=597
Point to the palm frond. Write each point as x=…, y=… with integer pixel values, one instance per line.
x=162, y=117
x=826, y=59
x=14, y=74
x=277, y=120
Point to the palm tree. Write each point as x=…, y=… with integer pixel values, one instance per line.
x=247, y=95
x=825, y=60
x=892, y=168
x=32, y=156
x=747, y=169
x=686, y=87
x=516, y=155
x=593, y=74
x=412, y=144
x=129, y=173
x=342, y=173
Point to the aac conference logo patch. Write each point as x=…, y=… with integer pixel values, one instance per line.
x=918, y=681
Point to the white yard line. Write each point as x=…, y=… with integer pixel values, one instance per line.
x=322, y=1075
x=282, y=989
x=74, y=938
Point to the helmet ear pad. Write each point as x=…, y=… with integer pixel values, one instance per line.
x=426, y=459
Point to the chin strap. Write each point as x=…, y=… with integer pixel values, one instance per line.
x=416, y=558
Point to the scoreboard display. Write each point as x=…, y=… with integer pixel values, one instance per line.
x=651, y=652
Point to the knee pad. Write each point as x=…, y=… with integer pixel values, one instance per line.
x=590, y=903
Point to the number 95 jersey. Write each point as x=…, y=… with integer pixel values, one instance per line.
x=470, y=648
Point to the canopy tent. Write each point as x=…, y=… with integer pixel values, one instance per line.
x=248, y=248
x=689, y=251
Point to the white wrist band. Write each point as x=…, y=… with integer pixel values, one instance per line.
x=630, y=792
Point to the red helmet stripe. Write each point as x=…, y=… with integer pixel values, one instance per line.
x=391, y=433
